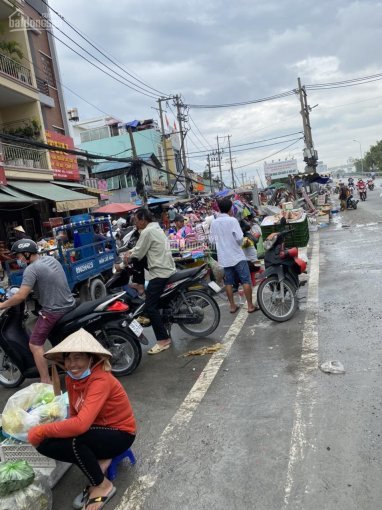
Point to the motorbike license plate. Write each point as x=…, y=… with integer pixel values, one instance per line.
x=214, y=286
x=136, y=328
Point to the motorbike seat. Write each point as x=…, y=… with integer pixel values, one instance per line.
x=184, y=273
x=82, y=309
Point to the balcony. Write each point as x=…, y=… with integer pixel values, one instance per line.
x=24, y=157
x=17, y=71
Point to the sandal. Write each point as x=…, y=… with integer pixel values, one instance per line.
x=100, y=499
x=158, y=348
x=80, y=500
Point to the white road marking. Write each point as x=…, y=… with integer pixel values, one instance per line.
x=135, y=495
x=306, y=391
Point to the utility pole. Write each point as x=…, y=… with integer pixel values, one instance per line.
x=220, y=164
x=310, y=154
x=209, y=171
x=164, y=144
x=230, y=161
x=180, y=117
x=137, y=170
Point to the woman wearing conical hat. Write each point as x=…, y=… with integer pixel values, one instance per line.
x=101, y=424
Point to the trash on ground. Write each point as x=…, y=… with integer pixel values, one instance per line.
x=332, y=367
x=203, y=350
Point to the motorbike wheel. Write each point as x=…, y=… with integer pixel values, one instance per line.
x=207, y=314
x=126, y=351
x=10, y=375
x=270, y=300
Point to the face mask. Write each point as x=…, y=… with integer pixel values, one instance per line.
x=82, y=376
x=21, y=263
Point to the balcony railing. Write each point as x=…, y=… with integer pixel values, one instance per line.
x=24, y=157
x=42, y=85
x=14, y=69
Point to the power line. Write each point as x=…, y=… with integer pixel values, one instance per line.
x=87, y=39
x=244, y=103
x=270, y=155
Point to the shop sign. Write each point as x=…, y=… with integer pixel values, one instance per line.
x=64, y=165
x=3, y=179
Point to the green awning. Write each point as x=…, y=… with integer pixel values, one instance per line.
x=11, y=196
x=68, y=184
x=65, y=199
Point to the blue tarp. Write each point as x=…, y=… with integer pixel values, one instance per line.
x=224, y=193
x=155, y=201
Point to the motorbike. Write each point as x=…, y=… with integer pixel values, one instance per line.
x=362, y=192
x=351, y=203
x=277, y=292
x=187, y=300
x=106, y=318
x=370, y=184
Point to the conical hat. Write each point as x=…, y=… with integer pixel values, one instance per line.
x=79, y=341
x=19, y=229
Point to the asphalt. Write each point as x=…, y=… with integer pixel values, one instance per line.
x=271, y=431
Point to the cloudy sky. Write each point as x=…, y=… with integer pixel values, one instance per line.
x=221, y=52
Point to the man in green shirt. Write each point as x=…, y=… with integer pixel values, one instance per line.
x=154, y=244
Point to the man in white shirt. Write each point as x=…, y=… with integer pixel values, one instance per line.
x=226, y=233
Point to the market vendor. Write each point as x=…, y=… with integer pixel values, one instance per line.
x=20, y=233
x=101, y=424
x=182, y=229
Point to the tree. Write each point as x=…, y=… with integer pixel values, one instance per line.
x=373, y=158
x=10, y=49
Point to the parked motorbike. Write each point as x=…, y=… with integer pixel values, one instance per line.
x=370, y=184
x=351, y=203
x=106, y=318
x=187, y=300
x=277, y=292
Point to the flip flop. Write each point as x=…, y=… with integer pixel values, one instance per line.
x=256, y=309
x=234, y=311
x=101, y=499
x=80, y=500
x=158, y=348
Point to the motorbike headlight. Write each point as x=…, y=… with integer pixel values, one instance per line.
x=269, y=242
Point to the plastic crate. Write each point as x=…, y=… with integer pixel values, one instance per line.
x=52, y=469
x=298, y=238
x=11, y=450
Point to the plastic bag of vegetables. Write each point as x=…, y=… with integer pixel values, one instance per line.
x=32, y=406
x=14, y=476
x=36, y=496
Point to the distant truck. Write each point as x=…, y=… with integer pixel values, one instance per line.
x=86, y=254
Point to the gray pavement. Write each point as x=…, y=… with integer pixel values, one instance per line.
x=268, y=430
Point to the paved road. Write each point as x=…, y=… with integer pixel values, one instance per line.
x=258, y=425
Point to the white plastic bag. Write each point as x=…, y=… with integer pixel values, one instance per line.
x=36, y=496
x=31, y=406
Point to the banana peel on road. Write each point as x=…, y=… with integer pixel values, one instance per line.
x=203, y=350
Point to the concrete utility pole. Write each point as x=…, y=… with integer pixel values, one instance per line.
x=209, y=171
x=180, y=116
x=164, y=144
x=141, y=190
x=230, y=161
x=220, y=164
x=310, y=154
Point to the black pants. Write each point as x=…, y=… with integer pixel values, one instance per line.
x=98, y=443
x=139, y=267
x=153, y=293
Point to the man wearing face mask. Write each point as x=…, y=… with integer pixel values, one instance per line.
x=46, y=277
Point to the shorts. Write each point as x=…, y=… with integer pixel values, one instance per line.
x=44, y=325
x=241, y=271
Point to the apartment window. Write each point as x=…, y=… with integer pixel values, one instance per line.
x=47, y=66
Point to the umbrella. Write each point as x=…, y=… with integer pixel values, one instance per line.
x=277, y=185
x=116, y=208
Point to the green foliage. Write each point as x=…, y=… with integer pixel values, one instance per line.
x=373, y=158
x=10, y=49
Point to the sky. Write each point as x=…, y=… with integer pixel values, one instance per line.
x=215, y=52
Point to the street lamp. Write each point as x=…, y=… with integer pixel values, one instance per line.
x=360, y=149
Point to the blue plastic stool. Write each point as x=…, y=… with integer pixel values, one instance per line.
x=113, y=468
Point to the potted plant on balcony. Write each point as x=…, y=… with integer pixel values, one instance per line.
x=10, y=49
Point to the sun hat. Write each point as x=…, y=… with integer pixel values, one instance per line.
x=19, y=228
x=79, y=341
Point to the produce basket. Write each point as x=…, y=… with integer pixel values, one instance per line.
x=53, y=470
x=298, y=238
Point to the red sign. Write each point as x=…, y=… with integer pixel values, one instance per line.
x=3, y=179
x=64, y=165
